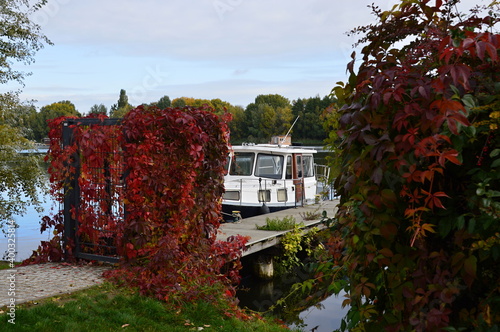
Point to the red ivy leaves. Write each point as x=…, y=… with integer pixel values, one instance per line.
x=480, y=45
x=402, y=130
x=175, y=162
x=432, y=199
x=166, y=167
x=450, y=110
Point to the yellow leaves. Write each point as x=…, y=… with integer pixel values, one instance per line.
x=346, y=302
x=419, y=231
x=469, y=270
x=495, y=115
x=428, y=228
x=488, y=243
x=368, y=311
x=194, y=327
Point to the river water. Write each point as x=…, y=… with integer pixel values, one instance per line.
x=28, y=236
x=315, y=310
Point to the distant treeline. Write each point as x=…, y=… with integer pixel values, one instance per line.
x=267, y=116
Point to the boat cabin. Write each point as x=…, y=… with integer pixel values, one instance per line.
x=268, y=176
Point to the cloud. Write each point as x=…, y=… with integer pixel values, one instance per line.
x=194, y=29
x=239, y=72
x=228, y=49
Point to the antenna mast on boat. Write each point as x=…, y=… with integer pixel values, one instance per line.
x=289, y=130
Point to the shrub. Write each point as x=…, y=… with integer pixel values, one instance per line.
x=419, y=218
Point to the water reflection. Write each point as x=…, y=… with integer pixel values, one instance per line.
x=28, y=236
x=325, y=316
x=317, y=311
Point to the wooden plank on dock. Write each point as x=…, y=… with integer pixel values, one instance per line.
x=261, y=239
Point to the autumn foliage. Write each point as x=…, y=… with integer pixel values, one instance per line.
x=175, y=164
x=418, y=228
x=149, y=186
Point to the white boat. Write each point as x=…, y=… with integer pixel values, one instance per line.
x=263, y=178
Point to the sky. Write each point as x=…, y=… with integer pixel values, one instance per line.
x=234, y=50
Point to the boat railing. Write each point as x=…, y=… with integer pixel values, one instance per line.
x=322, y=172
x=263, y=186
x=325, y=184
x=264, y=183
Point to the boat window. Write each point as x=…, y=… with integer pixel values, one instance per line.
x=226, y=166
x=269, y=166
x=288, y=167
x=242, y=163
x=308, y=166
x=298, y=160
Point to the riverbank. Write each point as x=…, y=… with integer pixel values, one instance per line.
x=108, y=308
x=49, y=297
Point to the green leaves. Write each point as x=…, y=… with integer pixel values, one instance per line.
x=21, y=175
x=21, y=37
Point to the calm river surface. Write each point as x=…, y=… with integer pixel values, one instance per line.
x=323, y=314
x=28, y=234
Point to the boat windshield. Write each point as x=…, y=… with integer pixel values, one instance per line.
x=308, y=165
x=269, y=166
x=242, y=163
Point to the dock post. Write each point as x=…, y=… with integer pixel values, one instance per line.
x=263, y=267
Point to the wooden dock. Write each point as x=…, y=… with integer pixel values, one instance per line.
x=260, y=239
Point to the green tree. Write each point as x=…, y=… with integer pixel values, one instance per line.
x=18, y=115
x=123, y=100
x=418, y=227
x=268, y=116
x=221, y=106
x=179, y=102
x=262, y=122
x=21, y=177
x=164, y=102
x=273, y=100
x=20, y=37
x=99, y=109
x=54, y=110
x=237, y=125
x=20, y=174
x=122, y=107
x=282, y=121
x=310, y=123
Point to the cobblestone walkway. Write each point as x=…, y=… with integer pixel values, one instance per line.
x=35, y=282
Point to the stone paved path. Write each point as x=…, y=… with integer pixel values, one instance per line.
x=34, y=282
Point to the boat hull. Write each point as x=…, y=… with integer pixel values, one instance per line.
x=246, y=211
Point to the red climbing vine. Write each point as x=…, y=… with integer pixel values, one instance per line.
x=151, y=187
x=420, y=171
x=175, y=162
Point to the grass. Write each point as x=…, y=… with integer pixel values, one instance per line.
x=4, y=265
x=108, y=308
x=308, y=215
x=277, y=224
